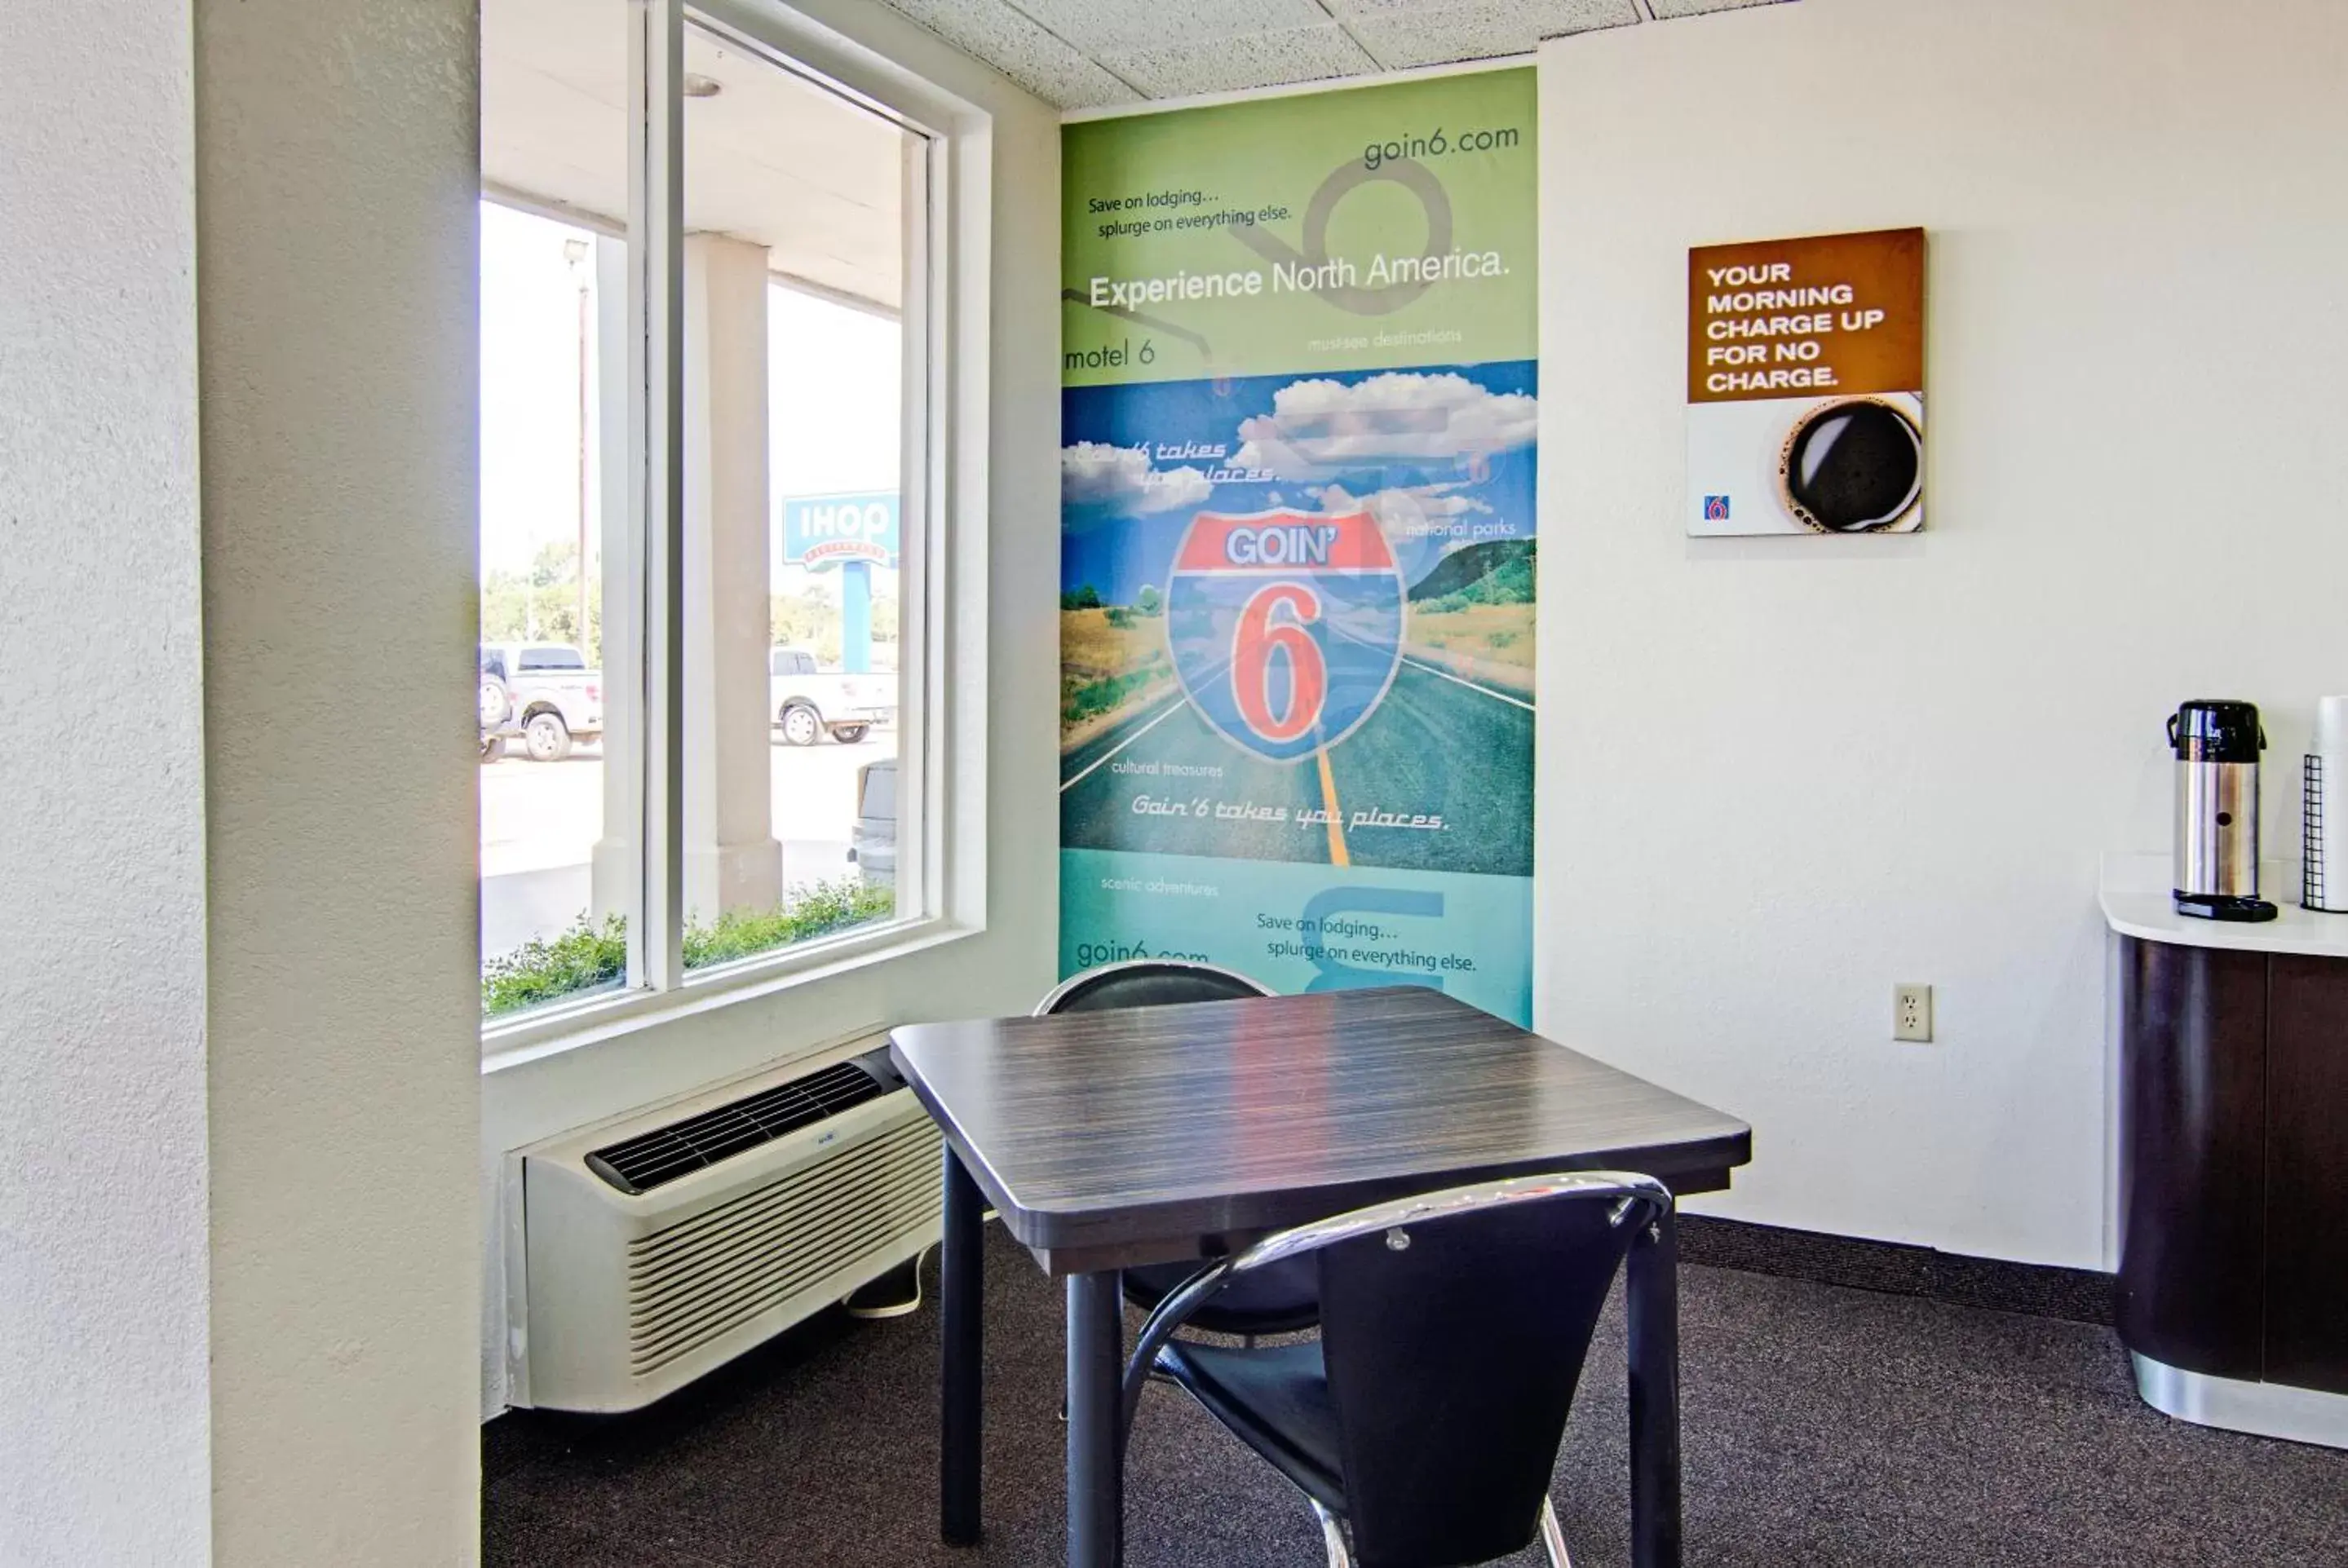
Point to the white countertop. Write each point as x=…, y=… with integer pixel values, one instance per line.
x=2135, y=896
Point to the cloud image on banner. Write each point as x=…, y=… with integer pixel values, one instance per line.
x=1322, y=428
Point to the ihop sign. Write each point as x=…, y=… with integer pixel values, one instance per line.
x=828, y=530
x=1285, y=626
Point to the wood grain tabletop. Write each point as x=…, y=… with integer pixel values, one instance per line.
x=1141, y=1131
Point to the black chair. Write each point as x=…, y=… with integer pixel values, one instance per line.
x=1424, y=1421
x=1281, y=1299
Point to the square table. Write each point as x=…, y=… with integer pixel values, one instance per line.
x=1147, y=1134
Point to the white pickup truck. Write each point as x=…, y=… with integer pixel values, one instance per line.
x=806, y=701
x=541, y=692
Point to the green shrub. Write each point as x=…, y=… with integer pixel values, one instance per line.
x=814, y=911
x=581, y=958
x=587, y=955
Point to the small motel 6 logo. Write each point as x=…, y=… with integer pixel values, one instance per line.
x=1715, y=509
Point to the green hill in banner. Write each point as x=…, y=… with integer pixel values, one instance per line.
x=1498, y=571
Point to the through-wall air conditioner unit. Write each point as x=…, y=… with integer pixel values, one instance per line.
x=662, y=1245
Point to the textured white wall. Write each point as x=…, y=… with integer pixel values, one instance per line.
x=103, y=1407
x=1006, y=604
x=337, y=180
x=1798, y=769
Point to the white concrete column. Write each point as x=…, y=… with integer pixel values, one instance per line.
x=731, y=858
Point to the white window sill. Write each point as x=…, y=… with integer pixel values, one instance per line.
x=595, y=1020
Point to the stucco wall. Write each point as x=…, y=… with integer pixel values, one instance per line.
x=337, y=208
x=103, y=1410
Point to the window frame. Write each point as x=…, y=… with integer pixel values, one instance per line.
x=940, y=863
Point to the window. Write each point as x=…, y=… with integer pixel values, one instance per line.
x=555, y=455
x=708, y=580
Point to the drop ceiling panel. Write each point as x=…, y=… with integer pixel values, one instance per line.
x=1092, y=54
x=1022, y=48
x=1666, y=10
x=1103, y=29
x=1259, y=60
x=1404, y=35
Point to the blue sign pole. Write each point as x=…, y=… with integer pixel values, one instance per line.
x=855, y=617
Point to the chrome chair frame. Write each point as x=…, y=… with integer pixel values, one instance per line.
x=1341, y=1554
x=1632, y=1192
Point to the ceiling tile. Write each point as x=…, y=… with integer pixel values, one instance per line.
x=1667, y=9
x=1257, y=60
x=1104, y=27
x=996, y=33
x=1478, y=29
x=1348, y=9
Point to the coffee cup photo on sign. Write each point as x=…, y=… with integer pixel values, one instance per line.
x=1806, y=386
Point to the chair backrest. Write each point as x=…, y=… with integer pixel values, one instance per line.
x=1148, y=982
x=1453, y=1347
x=1274, y=1300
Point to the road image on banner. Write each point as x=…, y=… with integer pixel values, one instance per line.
x=1285, y=627
x=1298, y=539
x=1330, y=669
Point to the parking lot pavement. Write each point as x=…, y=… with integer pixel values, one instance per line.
x=539, y=822
x=536, y=817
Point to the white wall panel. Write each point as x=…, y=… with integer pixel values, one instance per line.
x=1780, y=775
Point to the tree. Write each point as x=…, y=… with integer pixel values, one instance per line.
x=555, y=564
x=541, y=604
x=1147, y=601
x=1084, y=597
x=807, y=618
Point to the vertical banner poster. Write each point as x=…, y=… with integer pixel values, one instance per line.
x=1296, y=606
x=1806, y=386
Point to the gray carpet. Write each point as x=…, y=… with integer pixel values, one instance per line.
x=1821, y=1426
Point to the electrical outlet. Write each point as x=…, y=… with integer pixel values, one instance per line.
x=1911, y=1013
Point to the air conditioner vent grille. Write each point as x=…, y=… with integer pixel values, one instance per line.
x=645, y=1162
x=691, y=1282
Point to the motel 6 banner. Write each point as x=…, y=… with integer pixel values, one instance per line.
x=1298, y=542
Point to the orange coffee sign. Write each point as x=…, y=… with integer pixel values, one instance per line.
x=1834, y=313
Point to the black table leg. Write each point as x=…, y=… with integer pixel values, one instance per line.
x=1096, y=1365
x=1652, y=1306
x=961, y=1275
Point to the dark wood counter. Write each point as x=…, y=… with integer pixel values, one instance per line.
x=2233, y=1182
